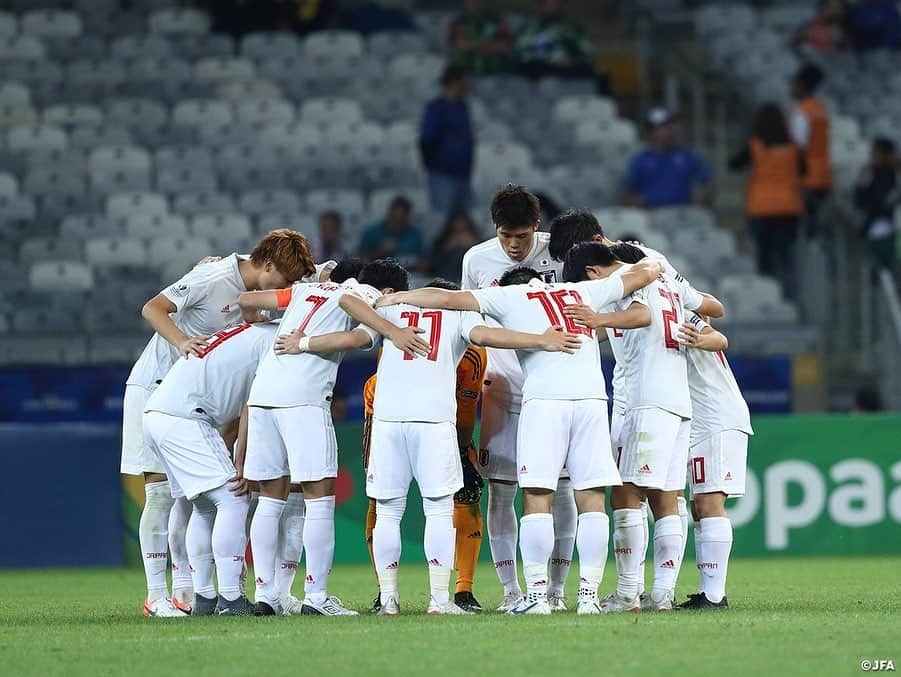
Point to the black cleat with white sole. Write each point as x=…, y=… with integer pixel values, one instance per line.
x=467, y=601
x=204, y=606
x=238, y=607
x=266, y=609
x=376, y=604
x=699, y=602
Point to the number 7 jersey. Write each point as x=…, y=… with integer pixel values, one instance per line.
x=307, y=378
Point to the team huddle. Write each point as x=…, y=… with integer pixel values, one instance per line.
x=227, y=417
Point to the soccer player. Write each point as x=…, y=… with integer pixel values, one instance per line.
x=198, y=396
x=718, y=456
x=563, y=420
x=290, y=433
x=654, y=449
x=515, y=213
x=184, y=316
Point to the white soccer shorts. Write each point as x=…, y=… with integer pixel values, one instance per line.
x=401, y=451
x=295, y=441
x=654, y=449
x=617, y=420
x=192, y=452
x=137, y=458
x=719, y=464
x=571, y=433
x=497, y=441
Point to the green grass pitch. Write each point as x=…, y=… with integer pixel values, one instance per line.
x=788, y=616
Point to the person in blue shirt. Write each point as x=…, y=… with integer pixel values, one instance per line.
x=874, y=24
x=395, y=237
x=665, y=174
x=447, y=144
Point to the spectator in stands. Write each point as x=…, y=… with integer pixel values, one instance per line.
x=480, y=39
x=665, y=173
x=305, y=16
x=774, y=203
x=874, y=24
x=447, y=144
x=876, y=194
x=395, y=236
x=456, y=238
x=810, y=131
x=552, y=45
x=825, y=33
x=330, y=243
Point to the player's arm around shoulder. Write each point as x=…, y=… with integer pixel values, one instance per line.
x=636, y=316
x=296, y=342
x=697, y=333
x=554, y=340
x=640, y=275
x=404, y=338
x=431, y=297
x=269, y=299
x=157, y=311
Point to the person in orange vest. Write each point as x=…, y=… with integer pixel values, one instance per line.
x=774, y=195
x=810, y=131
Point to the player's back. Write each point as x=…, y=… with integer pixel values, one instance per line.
x=655, y=363
x=307, y=378
x=423, y=388
x=214, y=386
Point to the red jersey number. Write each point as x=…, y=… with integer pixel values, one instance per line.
x=670, y=317
x=434, y=318
x=557, y=319
x=221, y=337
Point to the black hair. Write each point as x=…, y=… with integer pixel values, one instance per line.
x=629, y=236
x=402, y=202
x=441, y=283
x=452, y=74
x=514, y=207
x=518, y=275
x=627, y=253
x=570, y=228
x=809, y=77
x=384, y=274
x=884, y=145
x=346, y=269
x=769, y=125
x=583, y=255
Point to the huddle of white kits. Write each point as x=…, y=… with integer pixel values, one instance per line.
x=677, y=411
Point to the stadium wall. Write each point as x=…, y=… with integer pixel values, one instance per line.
x=818, y=485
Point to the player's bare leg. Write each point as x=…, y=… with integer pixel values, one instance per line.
x=667, y=547
x=319, y=544
x=592, y=539
x=153, y=534
x=565, y=525
x=713, y=544
x=264, y=542
x=290, y=548
x=502, y=536
x=536, y=543
x=628, y=538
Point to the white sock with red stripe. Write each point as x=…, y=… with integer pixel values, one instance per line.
x=439, y=540
x=714, y=544
x=290, y=543
x=264, y=543
x=667, y=556
x=319, y=545
x=153, y=533
x=536, y=542
x=501, y=521
x=386, y=543
x=565, y=519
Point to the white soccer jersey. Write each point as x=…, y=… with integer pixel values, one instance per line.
x=716, y=401
x=615, y=339
x=534, y=307
x=483, y=266
x=215, y=386
x=307, y=378
x=206, y=301
x=422, y=388
x=656, y=374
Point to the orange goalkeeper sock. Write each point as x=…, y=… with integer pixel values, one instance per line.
x=468, y=523
x=370, y=525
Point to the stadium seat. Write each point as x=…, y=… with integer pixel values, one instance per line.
x=50, y=23
x=245, y=91
x=194, y=179
x=9, y=25
x=48, y=180
x=421, y=68
x=115, y=252
x=194, y=47
x=574, y=109
x=120, y=158
x=154, y=226
x=111, y=180
x=9, y=186
x=192, y=204
x=126, y=204
x=331, y=111
x=255, y=202
x=269, y=111
x=219, y=69
x=96, y=72
x=17, y=208
x=64, y=276
x=681, y=218
x=45, y=321
x=265, y=44
x=104, y=319
x=73, y=114
x=331, y=42
x=179, y=21
x=15, y=114
x=21, y=48
x=239, y=178
x=41, y=349
x=123, y=349
x=14, y=94
x=83, y=227
x=134, y=112
x=305, y=223
x=128, y=47
x=36, y=137
x=84, y=137
x=182, y=253
x=202, y=113
x=221, y=227
x=622, y=220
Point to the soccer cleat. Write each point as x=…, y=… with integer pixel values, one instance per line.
x=556, y=602
x=204, y=606
x=650, y=604
x=391, y=607
x=466, y=601
x=447, y=608
x=699, y=602
x=376, y=604
x=164, y=608
x=291, y=606
x=267, y=608
x=511, y=599
x=614, y=604
x=531, y=605
x=589, y=607
x=184, y=607
x=331, y=606
x=238, y=607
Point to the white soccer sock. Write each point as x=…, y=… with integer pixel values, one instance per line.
x=319, y=544
x=592, y=540
x=645, y=540
x=182, y=585
x=153, y=532
x=502, y=534
x=386, y=543
x=536, y=542
x=199, y=544
x=264, y=544
x=290, y=543
x=714, y=544
x=565, y=519
x=667, y=549
x=683, y=518
x=229, y=540
x=627, y=539
x=439, y=540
